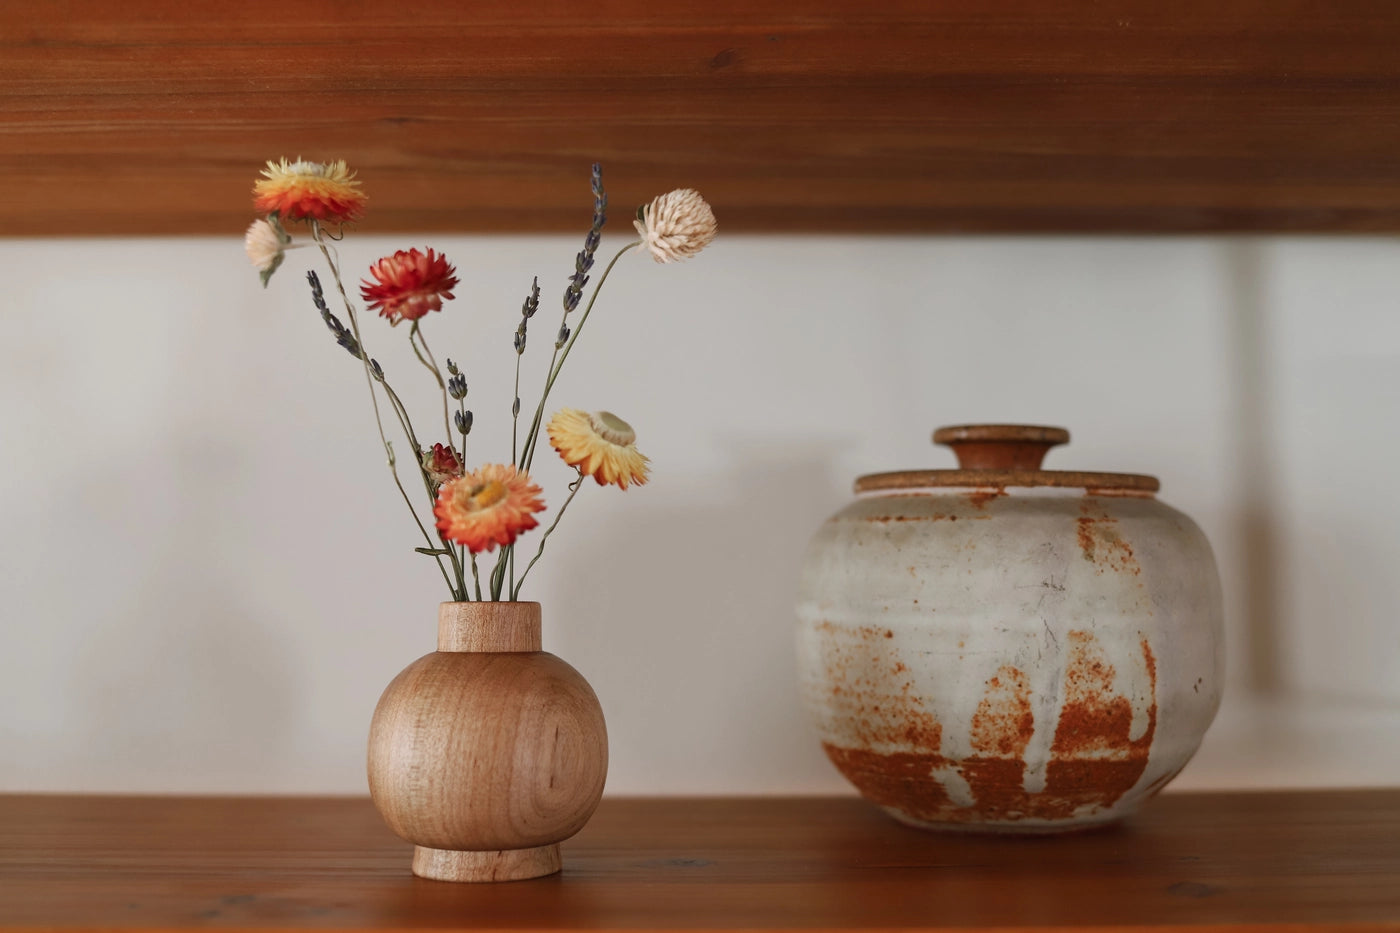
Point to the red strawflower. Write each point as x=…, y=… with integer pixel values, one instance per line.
x=409, y=284
x=441, y=464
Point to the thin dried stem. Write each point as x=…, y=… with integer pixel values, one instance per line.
x=327, y=253
x=573, y=491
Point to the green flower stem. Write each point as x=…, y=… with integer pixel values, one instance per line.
x=459, y=592
x=498, y=575
x=532, y=439
x=374, y=396
x=556, y=364
x=432, y=365
x=419, y=522
x=477, y=577
x=573, y=491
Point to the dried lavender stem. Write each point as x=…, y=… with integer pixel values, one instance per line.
x=459, y=592
x=373, y=396
x=531, y=440
x=515, y=411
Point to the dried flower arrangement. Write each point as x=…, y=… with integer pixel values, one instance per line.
x=494, y=504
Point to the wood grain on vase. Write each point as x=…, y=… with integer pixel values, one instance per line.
x=487, y=758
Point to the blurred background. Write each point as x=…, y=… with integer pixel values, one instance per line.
x=208, y=578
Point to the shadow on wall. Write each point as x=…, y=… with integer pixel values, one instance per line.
x=717, y=710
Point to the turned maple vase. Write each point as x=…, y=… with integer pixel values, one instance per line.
x=489, y=752
x=1003, y=647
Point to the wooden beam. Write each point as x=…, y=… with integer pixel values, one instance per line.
x=153, y=116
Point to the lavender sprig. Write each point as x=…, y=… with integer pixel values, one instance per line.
x=573, y=294
x=583, y=262
x=342, y=334
x=527, y=311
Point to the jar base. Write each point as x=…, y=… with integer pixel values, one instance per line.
x=1010, y=827
x=495, y=865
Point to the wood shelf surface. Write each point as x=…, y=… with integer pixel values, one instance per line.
x=154, y=116
x=1255, y=861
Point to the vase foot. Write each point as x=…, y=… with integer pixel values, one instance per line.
x=502, y=865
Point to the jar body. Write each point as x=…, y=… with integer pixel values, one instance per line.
x=1022, y=659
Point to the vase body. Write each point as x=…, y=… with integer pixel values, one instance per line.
x=489, y=752
x=1009, y=649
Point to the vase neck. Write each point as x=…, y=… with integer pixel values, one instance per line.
x=489, y=627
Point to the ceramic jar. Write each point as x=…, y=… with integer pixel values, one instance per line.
x=489, y=752
x=1002, y=647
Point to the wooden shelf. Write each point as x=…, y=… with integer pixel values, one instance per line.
x=152, y=117
x=1295, y=861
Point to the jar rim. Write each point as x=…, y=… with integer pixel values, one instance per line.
x=1001, y=479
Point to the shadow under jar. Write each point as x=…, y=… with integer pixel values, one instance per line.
x=1001, y=647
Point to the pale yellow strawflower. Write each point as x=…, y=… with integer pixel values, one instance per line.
x=601, y=445
x=676, y=225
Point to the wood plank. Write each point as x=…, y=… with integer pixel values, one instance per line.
x=1276, y=861
x=153, y=116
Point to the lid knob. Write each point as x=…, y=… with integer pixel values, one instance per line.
x=1000, y=446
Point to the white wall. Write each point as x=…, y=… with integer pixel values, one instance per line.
x=206, y=578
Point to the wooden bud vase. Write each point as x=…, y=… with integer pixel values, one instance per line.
x=489, y=752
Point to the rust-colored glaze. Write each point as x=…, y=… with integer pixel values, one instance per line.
x=1003, y=723
x=1086, y=538
x=1094, y=760
x=897, y=743
x=854, y=669
x=981, y=497
x=903, y=780
x=1001, y=730
x=1101, y=543
x=998, y=789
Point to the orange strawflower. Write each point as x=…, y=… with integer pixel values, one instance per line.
x=602, y=445
x=488, y=507
x=409, y=284
x=300, y=190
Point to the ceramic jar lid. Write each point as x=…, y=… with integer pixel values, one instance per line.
x=1001, y=455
